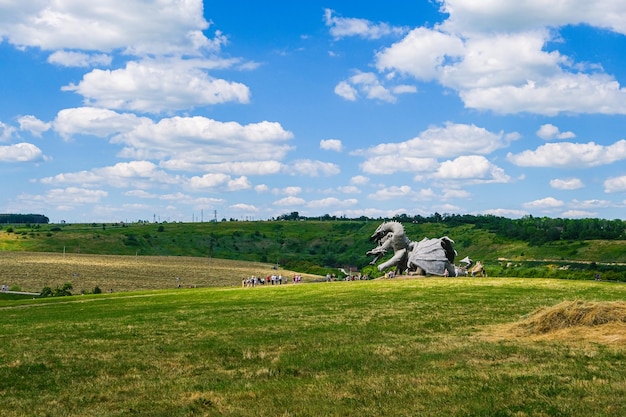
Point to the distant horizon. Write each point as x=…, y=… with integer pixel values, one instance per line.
x=259, y=109
x=284, y=217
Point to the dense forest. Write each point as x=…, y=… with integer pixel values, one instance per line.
x=534, y=230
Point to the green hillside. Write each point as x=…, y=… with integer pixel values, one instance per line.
x=313, y=245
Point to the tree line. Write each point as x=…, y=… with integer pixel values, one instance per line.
x=534, y=230
x=23, y=218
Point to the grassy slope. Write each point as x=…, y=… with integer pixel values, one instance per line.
x=256, y=239
x=293, y=243
x=427, y=347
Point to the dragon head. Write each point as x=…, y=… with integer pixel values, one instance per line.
x=385, y=228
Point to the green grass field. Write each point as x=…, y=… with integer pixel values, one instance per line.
x=401, y=347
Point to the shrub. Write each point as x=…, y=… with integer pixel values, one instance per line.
x=57, y=292
x=64, y=290
x=97, y=290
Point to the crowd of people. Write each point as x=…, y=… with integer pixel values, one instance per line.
x=273, y=279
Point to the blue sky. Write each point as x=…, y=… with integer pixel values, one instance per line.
x=182, y=110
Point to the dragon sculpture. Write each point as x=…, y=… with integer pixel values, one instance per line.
x=428, y=256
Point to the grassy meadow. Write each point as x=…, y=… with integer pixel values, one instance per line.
x=400, y=347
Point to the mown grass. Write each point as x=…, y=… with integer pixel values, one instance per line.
x=405, y=347
x=32, y=271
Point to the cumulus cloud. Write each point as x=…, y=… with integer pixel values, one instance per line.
x=615, y=184
x=472, y=167
x=21, y=152
x=549, y=131
x=33, y=125
x=208, y=181
x=488, y=17
x=449, y=140
x=392, y=192
x=244, y=207
x=151, y=86
x=496, y=57
x=571, y=214
x=312, y=168
x=366, y=84
x=94, y=121
x=290, y=201
x=574, y=93
x=572, y=155
x=138, y=174
x=63, y=199
x=421, y=54
x=149, y=27
x=332, y=203
x=237, y=184
x=341, y=27
x=331, y=145
x=390, y=164
x=359, y=180
x=346, y=91
x=200, y=143
x=79, y=59
x=567, y=184
x=6, y=132
x=544, y=203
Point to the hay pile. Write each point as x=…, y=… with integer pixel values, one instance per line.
x=573, y=314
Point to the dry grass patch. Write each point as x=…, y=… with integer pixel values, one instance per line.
x=599, y=321
x=32, y=271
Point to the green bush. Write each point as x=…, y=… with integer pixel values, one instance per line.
x=58, y=291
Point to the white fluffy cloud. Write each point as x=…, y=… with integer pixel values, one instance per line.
x=310, y=168
x=495, y=56
x=290, y=201
x=332, y=203
x=567, y=184
x=549, y=131
x=392, y=192
x=421, y=54
x=331, y=145
x=615, y=184
x=79, y=59
x=33, y=125
x=21, y=152
x=138, y=174
x=545, y=203
x=147, y=27
x=449, y=140
x=471, y=167
x=341, y=27
x=153, y=87
x=498, y=16
x=63, y=199
x=6, y=132
x=185, y=143
x=390, y=164
x=572, y=155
